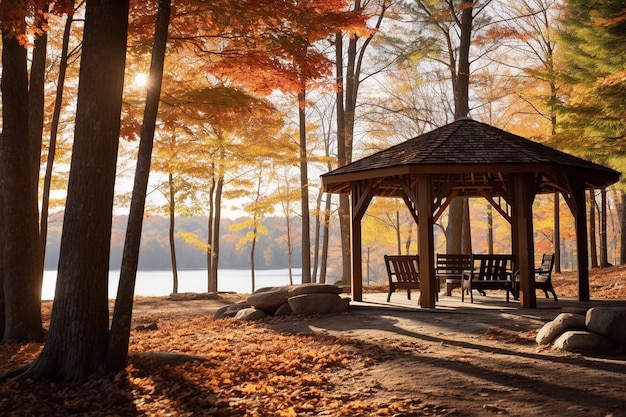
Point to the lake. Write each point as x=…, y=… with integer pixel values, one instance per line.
x=159, y=283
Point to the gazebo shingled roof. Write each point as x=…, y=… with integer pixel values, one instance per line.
x=473, y=159
x=468, y=146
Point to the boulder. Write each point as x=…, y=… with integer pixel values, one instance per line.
x=318, y=303
x=582, y=341
x=562, y=323
x=314, y=289
x=609, y=322
x=283, y=310
x=269, y=298
x=230, y=310
x=250, y=314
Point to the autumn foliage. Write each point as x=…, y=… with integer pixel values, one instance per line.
x=234, y=368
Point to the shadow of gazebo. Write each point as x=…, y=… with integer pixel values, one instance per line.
x=467, y=158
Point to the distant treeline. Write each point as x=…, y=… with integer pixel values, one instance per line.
x=271, y=249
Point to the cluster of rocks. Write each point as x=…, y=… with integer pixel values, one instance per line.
x=600, y=329
x=288, y=300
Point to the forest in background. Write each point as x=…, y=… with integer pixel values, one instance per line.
x=386, y=231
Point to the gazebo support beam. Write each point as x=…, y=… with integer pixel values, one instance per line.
x=579, y=210
x=361, y=196
x=425, y=241
x=525, y=249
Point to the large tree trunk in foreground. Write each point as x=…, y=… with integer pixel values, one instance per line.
x=20, y=214
x=122, y=316
x=78, y=338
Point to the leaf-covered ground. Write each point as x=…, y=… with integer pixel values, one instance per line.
x=240, y=369
x=429, y=364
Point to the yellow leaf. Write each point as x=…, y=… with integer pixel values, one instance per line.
x=290, y=412
x=249, y=388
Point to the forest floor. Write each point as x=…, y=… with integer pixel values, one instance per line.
x=378, y=359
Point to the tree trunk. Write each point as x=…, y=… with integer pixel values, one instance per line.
x=342, y=159
x=604, y=256
x=252, y=249
x=215, y=218
x=557, y=233
x=304, y=192
x=317, y=236
x=122, y=316
x=172, y=233
x=593, y=253
x=36, y=100
x=289, y=250
x=458, y=231
x=78, y=336
x=217, y=221
x=622, y=246
x=489, y=229
x=20, y=260
x=54, y=127
x=325, y=240
x=461, y=100
x=2, y=310
x=455, y=225
x=211, y=279
x=1, y=296
x=398, y=236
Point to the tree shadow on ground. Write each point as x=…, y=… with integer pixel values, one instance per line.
x=434, y=358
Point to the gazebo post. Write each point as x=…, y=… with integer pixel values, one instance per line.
x=425, y=240
x=357, y=261
x=361, y=196
x=579, y=209
x=523, y=221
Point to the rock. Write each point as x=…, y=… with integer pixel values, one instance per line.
x=575, y=310
x=562, y=323
x=318, y=303
x=230, y=310
x=314, y=289
x=181, y=296
x=250, y=313
x=269, y=298
x=283, y=310
x=609, y=322
x=584, y=341
x=147, y=326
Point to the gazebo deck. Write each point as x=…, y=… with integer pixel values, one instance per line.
x=492, y=301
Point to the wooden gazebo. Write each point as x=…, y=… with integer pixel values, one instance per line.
x=471, y=159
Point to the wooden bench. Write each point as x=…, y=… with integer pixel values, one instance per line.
x=403, y=272
x=489, y=272
x=543, y=277
x=451, y=267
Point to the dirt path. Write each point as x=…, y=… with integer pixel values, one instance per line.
x=458, y=359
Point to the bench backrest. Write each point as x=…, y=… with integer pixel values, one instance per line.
x=405, y=268
x=453, y=264
x=545, y=270
x=493, y=267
